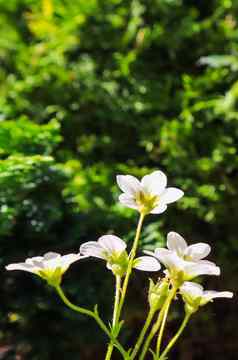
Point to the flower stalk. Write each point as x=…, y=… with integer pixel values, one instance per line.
x=152, y=333
x=165, y=315
x=141, y=337
x=93, y=314
x=176, y=336
x=130, y=263
x=115, y=315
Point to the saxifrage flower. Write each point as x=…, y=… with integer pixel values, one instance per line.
x=194, y=295
x=113, y=249
x=150, y=195
x=49, y=267
x=184, y=262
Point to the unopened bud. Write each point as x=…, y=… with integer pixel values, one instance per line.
x=158, y=293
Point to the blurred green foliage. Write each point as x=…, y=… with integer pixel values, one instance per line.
x=94, y=88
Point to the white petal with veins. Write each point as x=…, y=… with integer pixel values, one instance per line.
x=147, y=263
x=191, y=289
x=129, y=201
x=171, y=195
x=176, y=242
x=210, y=294
x=112, y=243
x=128, y=184
x=92, y=248
x=197, y=269
x=154, y=183
x=198, y=251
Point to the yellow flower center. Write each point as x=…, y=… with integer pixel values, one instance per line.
x=146, y=201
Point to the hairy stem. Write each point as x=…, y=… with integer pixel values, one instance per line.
x=152, y=333
x=130, y=264
x=176, y=336
x=142, y=333
x=94, y=315
x=115, y=315
x=158, y=323
x=165, y=314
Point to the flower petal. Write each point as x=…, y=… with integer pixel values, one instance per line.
x=128, y=184
x=193, y=270
x=191, y=289
x=159, y=209
x=176, y=242
x=154, y=183
x=51, y=260
x=169, y=259
x=36, y=261
x=112, y=244
x=198, y=251
x=69, y=259
x=22, y=266
x=210, y=294
x=92, y=248
x=171, y=195
x=147, y=263
x=128, y=201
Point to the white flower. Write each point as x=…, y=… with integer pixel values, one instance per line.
x=195, y=252
x=194, y=295
x=185, y=262
x=50, y=267
x=149, y=195
x=113, y=249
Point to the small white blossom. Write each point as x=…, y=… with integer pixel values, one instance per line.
x=50, y=267
x=185, y=262
x=195, y=252
x=150, y=195
x=113, y=249
x=194, y=295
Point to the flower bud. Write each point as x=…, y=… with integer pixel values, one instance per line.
x=158, y=293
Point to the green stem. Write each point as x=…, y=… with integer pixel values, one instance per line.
x=176, y=336
x=165, y=314
x=117, y=301
x=115, y=315
x=152, y=333
x=130, y=264
x=143, y=332
x=95, y=316
x=71, y=305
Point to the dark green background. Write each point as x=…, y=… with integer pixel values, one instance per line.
x=90, y=89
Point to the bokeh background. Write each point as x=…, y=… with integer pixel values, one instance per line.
x=90, y=89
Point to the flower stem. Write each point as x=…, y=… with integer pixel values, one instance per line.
x=176, y=336
x=95, y=316
x=152, y=333
x=158, y=323
x=73, y=307
x=115, y=315
x=143, y=332
x=165, y=314
x=117, y=300
x=130, y=264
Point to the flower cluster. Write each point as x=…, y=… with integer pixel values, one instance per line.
x=150, y=195
x=183, y=264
